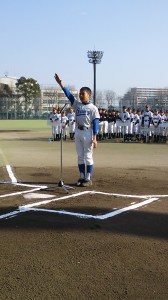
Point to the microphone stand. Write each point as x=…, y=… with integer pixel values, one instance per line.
x=61, y=182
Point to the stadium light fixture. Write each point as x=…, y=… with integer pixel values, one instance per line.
x=94, y=58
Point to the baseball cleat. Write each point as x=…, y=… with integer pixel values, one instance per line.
x=80, y=182
x=86, y=182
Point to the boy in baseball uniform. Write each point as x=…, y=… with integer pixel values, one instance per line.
x=135, y=122
x=71, y=123
x=64, y=122
x=164, y=119
x=124, y=116
x=53, y=118
x=156, y=120
x=146, y=122
x=87, y=124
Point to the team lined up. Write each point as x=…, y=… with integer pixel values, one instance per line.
x=129, y=124
x=132, y=124
x=61, y=121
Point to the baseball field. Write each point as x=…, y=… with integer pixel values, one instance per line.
x=108, y=241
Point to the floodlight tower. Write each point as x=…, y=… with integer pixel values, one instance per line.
x=94, y=58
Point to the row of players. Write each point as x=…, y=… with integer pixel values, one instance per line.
x=112, y=124
x=59, y=121
x=133, y=124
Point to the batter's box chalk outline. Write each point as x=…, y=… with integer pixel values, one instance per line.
x=35, y=206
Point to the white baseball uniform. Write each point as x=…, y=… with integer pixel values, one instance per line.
x=86, y=118
x=64, y=120
x=71, y=118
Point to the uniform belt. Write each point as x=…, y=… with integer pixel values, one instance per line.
x=81, y=127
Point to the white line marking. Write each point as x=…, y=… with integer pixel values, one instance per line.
x=120, y=195
x=32, y=206
x=8, y=215
x=64, y=212
x=14, y=180
x=10, y=173
x=55, y=199
x=148, y=199
x=98, y=217
x=37, y=196
x=23, y=184
x=87, y=192
x=20, y=193
x=129, y=196
x=131, y=207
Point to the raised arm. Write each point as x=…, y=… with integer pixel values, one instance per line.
x=59, y=81
x=65, y=89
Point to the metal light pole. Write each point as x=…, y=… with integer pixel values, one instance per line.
x=94, y=58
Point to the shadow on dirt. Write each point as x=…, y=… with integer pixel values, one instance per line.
x=14, y=130
x=138, y=223
x=24, y=139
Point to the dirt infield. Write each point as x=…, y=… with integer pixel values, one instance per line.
x=107, y=243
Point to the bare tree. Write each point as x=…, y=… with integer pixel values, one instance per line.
x=99, y=98
x=161, y=100
x=110, y=96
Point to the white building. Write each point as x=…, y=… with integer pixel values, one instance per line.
x=10, y=81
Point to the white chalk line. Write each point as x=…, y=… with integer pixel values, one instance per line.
x=22, y=184
x=20, y=193
x=38, y=196
x=11, y=214
x=55, y=199
x=98, y=217
x=14, y=182
x=32, y=206
x=27, y=207
x=10, y=173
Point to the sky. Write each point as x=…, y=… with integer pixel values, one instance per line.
x=39, y=38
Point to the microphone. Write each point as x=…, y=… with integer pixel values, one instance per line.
x=63, y=108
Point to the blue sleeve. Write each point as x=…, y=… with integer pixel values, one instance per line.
x=95, y=126
x=69, y=95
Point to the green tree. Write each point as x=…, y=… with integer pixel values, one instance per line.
x=5, y=99
x=29, y=89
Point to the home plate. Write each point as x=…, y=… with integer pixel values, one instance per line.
x=37, y=196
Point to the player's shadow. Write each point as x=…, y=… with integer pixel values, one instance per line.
x=137, y=223
x=46, y=183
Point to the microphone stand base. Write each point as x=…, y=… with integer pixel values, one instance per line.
x=60, y=185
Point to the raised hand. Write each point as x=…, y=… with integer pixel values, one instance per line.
x=58, y=80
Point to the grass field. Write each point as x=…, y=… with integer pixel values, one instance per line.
x=23, y=124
